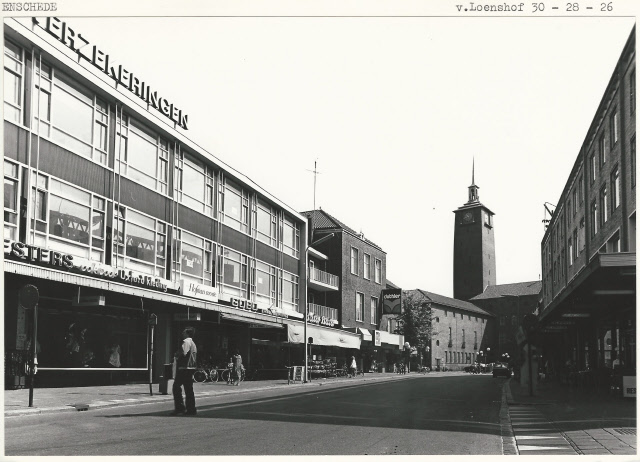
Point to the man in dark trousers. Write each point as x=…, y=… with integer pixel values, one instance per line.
x=185, y=359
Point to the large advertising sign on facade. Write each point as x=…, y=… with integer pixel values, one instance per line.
x=392, y=301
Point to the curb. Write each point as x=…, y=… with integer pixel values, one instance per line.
x=81, y=407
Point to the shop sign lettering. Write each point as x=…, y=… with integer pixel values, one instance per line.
x=322, y=320
x=38, y=255
x=200, y=291
x=79, y=44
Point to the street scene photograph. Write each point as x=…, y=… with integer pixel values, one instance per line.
x=340, y=229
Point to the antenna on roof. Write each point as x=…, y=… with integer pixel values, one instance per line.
x=315, y=175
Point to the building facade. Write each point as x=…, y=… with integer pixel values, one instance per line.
x=122, y=223
x=588, y=309
x=474, y=257
x=360, y=268
x=509, y=303
x=461, y=332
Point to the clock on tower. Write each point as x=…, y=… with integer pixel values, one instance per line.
x=474, y=263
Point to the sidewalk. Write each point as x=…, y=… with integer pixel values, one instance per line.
x=73, y=399
x=589, y=422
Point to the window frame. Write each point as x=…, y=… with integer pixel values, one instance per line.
x=378, y=271
x=205, y=203
x=12, y=227
x=126, y=125
x=290, y=223
x=604, y=215
x=19, y=74
x=366, y=266
x=354, y=261
x=160, y=229
x=242, y=288
x=209, y=253
x=614, y=127
x=359, y=306
x=374, y=310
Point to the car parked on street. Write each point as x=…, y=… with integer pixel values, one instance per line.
x=501, y=369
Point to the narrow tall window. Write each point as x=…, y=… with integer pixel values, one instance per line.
x=603, y=206
x=613, y=120
x=570, y=243
x=367, y=266
x=354, y=260
x=580, y=187
x=378, y=271
x=13, y=71
x=374, y=311
x=633, y=160
x=594, y=218
x=592, y=164
x=602, y=150
x=615, y=189
x=576, y=244
x=11, y=198
x=359, y=306
x=575, y=201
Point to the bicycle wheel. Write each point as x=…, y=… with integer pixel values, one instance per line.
x=200, y=376
x=225, y=375
x=213, y=375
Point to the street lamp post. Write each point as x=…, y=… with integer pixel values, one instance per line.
x=306, y=307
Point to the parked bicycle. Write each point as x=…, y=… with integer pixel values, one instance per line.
x=205, y=373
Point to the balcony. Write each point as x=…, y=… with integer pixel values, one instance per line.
x=323, y=282
x=322, y=314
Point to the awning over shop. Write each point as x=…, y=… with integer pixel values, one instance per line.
x=366, y=335
x=322, y=336
x=255, y=322
x=394, y=340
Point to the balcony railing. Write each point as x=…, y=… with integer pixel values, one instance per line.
x=319, y=276
x=323, y=311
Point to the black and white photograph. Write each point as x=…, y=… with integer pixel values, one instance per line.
x=319, y=228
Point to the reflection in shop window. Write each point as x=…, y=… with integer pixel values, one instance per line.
x=139, y=242
x=290, y=237
x=70, y=114
x=194, y=183
x=267, y=223
x=289, y=287
x=265, y=284
x=141, y=154
x=78, y=339
x=192, y=258
x=233, y=202
x=232, y=272
x=11, y=195
x=67, y=219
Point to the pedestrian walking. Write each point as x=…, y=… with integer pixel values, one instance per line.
x=236, y=359
x=353, y=367
x=185, y=359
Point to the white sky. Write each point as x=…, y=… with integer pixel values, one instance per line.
x=394, y=109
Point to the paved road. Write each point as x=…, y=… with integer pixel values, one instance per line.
x=419, y=415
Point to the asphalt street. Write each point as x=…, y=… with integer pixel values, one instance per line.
x=420, y=415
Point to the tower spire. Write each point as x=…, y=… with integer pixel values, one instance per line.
x=473, y=172
x=473, y=189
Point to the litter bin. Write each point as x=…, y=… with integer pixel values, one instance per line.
x=166, y=380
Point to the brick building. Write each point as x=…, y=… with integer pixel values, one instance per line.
x=509, y=303
x=460, y=331
x=360, y=267
x=588, y=308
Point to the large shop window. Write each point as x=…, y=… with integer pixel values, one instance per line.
x=139, y=242
x=289, y=286
x=70, y=114
x=232, y=272
x=13, y=82
x=265, y=284
x=194, y=184
x=97, y=339
x=11, y=195
x=141, y=154
x=192, y=258
x=290, y=237
x=234, y=206
x=67, y=218
x=267, y=223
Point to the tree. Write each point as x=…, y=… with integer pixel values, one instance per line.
x=416, y=320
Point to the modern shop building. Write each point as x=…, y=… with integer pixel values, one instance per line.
x=118, y=220
x=358, y=267
x=461, y=331
x=588, y=310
